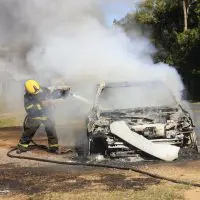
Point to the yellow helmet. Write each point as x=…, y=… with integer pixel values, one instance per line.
x=32, y=87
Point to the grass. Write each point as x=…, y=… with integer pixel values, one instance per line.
x=156, y=192
x=161, y=192
x=10, y=121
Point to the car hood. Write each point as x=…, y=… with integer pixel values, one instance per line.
x=138, y=111
x=154, y=114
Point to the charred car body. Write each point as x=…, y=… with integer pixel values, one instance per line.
x=149, y=109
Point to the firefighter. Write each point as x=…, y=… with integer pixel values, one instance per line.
x=38, y=103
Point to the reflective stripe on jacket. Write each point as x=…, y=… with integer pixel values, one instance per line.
x=33, y=106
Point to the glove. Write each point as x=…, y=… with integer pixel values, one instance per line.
x=102, y=84
x=65, y=91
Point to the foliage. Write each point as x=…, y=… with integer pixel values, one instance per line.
x=165, y=19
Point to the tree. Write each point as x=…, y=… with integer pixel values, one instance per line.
x=175, y=30
x=186, y=6
x=185, y=11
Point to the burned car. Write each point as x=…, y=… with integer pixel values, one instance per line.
x=149, y=109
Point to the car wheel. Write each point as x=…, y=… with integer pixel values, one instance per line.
x=195, y=141
x=97, y=146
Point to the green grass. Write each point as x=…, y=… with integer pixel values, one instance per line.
x=161, y=192
x=156, y=192
x=10, y=121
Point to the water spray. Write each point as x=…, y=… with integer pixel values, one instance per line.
x=80, y=98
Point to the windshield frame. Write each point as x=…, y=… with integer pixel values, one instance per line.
x=133, y=84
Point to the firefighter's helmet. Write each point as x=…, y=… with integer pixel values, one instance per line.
x=32, y=87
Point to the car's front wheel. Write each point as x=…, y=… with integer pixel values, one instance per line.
x=97, y=145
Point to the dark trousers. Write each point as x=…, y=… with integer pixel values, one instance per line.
x=32, y=125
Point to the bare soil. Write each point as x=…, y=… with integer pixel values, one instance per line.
x=22, y=179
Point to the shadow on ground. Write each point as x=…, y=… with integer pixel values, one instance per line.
x=32, y=180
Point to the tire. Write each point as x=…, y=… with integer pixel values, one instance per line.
x=198, y=143
x=83, y=149
x=97, y=146
x=195, y=140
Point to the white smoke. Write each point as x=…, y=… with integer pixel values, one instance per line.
x=71, y=39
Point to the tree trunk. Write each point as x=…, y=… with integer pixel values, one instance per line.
x=185, y=11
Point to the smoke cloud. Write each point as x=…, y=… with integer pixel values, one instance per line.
x=70, y=39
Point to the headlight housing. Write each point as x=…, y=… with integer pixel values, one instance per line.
x=102, y=122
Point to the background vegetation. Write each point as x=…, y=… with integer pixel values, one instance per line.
x=174, y=28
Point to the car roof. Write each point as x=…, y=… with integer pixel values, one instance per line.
x=129, y=83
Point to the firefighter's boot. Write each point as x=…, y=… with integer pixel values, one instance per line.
x=21, y=148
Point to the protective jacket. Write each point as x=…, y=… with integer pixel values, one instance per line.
x=38, y=114
x=33, y=106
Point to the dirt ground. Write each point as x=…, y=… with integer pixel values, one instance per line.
x=23, y=179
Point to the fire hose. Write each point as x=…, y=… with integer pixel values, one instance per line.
x=9, y=154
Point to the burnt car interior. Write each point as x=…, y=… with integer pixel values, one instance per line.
x=149, y=109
